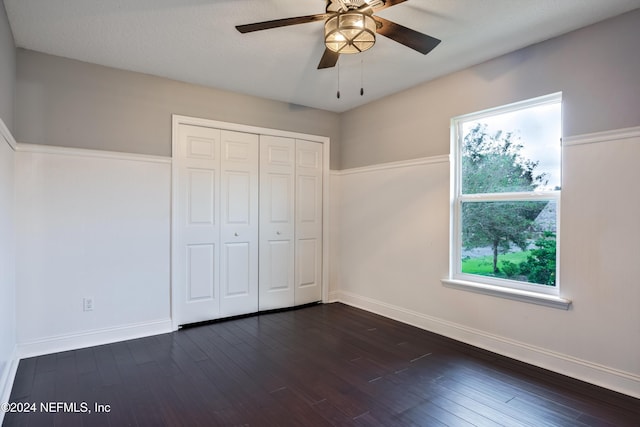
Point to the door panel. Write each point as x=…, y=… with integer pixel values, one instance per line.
x=237, y=268
x=197, y=231
x=239, y=223
x=308, y=156
x=238, y=197
x=279, y=155
x=277, y=210
x=280, y=265
x=308, y=228
x=278, y=205
x=200, y=146
x=237, y=150
x=307, y=200
x=201, y=196
x=200, y=272
x=307, y=261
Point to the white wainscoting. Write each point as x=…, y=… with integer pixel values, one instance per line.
x=8, y=349
x=90, y=224
x=393, y=251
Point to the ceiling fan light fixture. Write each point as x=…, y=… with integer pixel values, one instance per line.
x=350, y=32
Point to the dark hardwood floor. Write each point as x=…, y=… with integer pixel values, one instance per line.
x=326, y=365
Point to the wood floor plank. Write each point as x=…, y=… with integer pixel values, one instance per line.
x=537, y=388
x=496, y=404
x=333, y=415
x=85, y=361
x=473, y=405
x=329, y=364
x=23, y=383
x=427, y=414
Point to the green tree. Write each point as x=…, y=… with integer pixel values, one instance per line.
x=492, y=163
x=540, y=266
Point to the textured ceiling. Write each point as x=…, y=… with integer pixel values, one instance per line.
x=195, y=41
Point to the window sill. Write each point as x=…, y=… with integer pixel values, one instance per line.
x=514, y=294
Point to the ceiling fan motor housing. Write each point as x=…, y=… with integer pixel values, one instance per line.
x=350, y=32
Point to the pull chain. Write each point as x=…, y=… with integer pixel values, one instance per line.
x=361, y=80
x=338, y=93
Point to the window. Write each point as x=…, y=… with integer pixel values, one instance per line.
x=506, y=169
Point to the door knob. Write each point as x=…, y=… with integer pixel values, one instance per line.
x=278, y=233
x=236, y=234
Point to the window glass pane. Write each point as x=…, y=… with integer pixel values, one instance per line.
x=510, y=240
x=512, y=152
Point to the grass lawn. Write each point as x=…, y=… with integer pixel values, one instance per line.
x=484, y=265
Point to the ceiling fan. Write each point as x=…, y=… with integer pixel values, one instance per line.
x=350, y=27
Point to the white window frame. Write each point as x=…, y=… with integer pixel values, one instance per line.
x=512, y=289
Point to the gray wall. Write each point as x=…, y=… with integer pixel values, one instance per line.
x=70, y=103
x=7, y=69
x=597, y=68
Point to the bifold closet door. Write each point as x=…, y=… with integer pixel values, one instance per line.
x=239, y=223
x=247, y=225
x=277, y=222
x=216, y=226
x=197, y=224
x=308, y=230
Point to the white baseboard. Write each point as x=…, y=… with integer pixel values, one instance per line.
x=333, y=296
x=92, y=338
x=6, y=379
x=603, y=376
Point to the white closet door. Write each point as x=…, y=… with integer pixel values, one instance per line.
x=308, y=259
x=277, y=225
x=197, y=224
x=239, y=223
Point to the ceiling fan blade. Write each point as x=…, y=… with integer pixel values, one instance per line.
x=389, y=3
x=266, y=25
x=365, y=8
x=329, y=59
x=406, y=36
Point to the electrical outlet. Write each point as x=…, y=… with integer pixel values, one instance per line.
x=87, y=304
